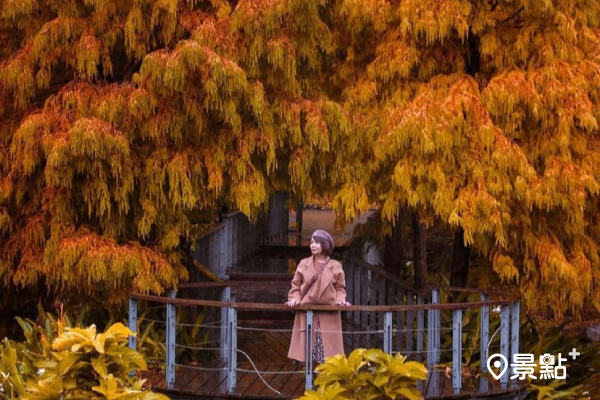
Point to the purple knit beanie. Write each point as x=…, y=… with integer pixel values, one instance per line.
x=321, y=234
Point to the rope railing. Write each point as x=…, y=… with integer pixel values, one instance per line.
x=282, y=307
x=194, y=367
x=201, y=347
x=414, y=329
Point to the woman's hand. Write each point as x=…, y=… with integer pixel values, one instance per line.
x=343, y=303
x=292, y=303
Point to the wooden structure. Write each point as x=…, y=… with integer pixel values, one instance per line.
x=230, y=339
x=248, y=358
x=235, y=237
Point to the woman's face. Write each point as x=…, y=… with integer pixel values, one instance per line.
x=315, y=247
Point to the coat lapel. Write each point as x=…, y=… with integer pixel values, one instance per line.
x=309, y=272
x=325, y=278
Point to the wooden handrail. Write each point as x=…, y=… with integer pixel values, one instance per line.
x=393, y=278
x=282, y=307
x=396, y=280
x=498, y=293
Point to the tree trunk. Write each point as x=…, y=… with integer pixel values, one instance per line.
x=459, y=270
x=419, y=252
x=392, y=256
x=299, y=210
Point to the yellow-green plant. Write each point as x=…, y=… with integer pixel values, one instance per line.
x=85, y=364
x=367, y=374
x=57, y=361
x=17, y=359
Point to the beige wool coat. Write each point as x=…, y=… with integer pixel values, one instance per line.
x=329, y=289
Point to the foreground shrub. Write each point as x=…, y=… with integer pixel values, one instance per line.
x=60, y=362
x=367, y=374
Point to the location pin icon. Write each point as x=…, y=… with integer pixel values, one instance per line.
x=497, y=364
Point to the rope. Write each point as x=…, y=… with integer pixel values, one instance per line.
x=199, y=348
x=258, y=373
x=351, y=332
x=270, y=372
x=201, y=368
x=411, y=352
x=209, y=325
x=422, y=351
x=243, y=328
x=421, y=330
x=487, y=349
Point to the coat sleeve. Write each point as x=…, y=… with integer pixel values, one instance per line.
x=340, y=286
x=294, y=293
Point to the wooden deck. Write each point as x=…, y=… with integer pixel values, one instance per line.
x=263, y=274
x=266, y=344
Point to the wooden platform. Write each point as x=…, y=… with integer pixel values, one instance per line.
x=267, y=345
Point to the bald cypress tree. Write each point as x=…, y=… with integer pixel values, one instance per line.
x=127, y=124
x=484, y=116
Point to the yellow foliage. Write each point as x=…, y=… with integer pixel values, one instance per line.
x=125, y=125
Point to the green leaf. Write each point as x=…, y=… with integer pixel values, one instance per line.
x=380, y=380
x=100, y=366
x=68, y=361
x=416, y=370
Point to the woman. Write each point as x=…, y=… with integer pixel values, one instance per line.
x=318, y=280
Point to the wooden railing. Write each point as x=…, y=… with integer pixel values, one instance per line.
x=407, y=321
x=230, y=241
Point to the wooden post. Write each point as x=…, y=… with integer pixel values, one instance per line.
x=387, y=332
x=433, y=332
x=399, y=318
x=457, y=350
x=430, y=343
x=485, y=333
x=228, y=242
x=235, y=245
x=224, y=345
x=437, y=331
x=420, y=329
x=364, y=298
x=370, y=282
x=410, y=324
x=505, y=341
x=170, y=341
x=133, y=312
x=433, y=388
x=308, y=372
x=378, y=283
x=232, y=359
x=222, y=251
x=213, y=253
x=349, y=274
x=357, y=292
x=514, y=331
